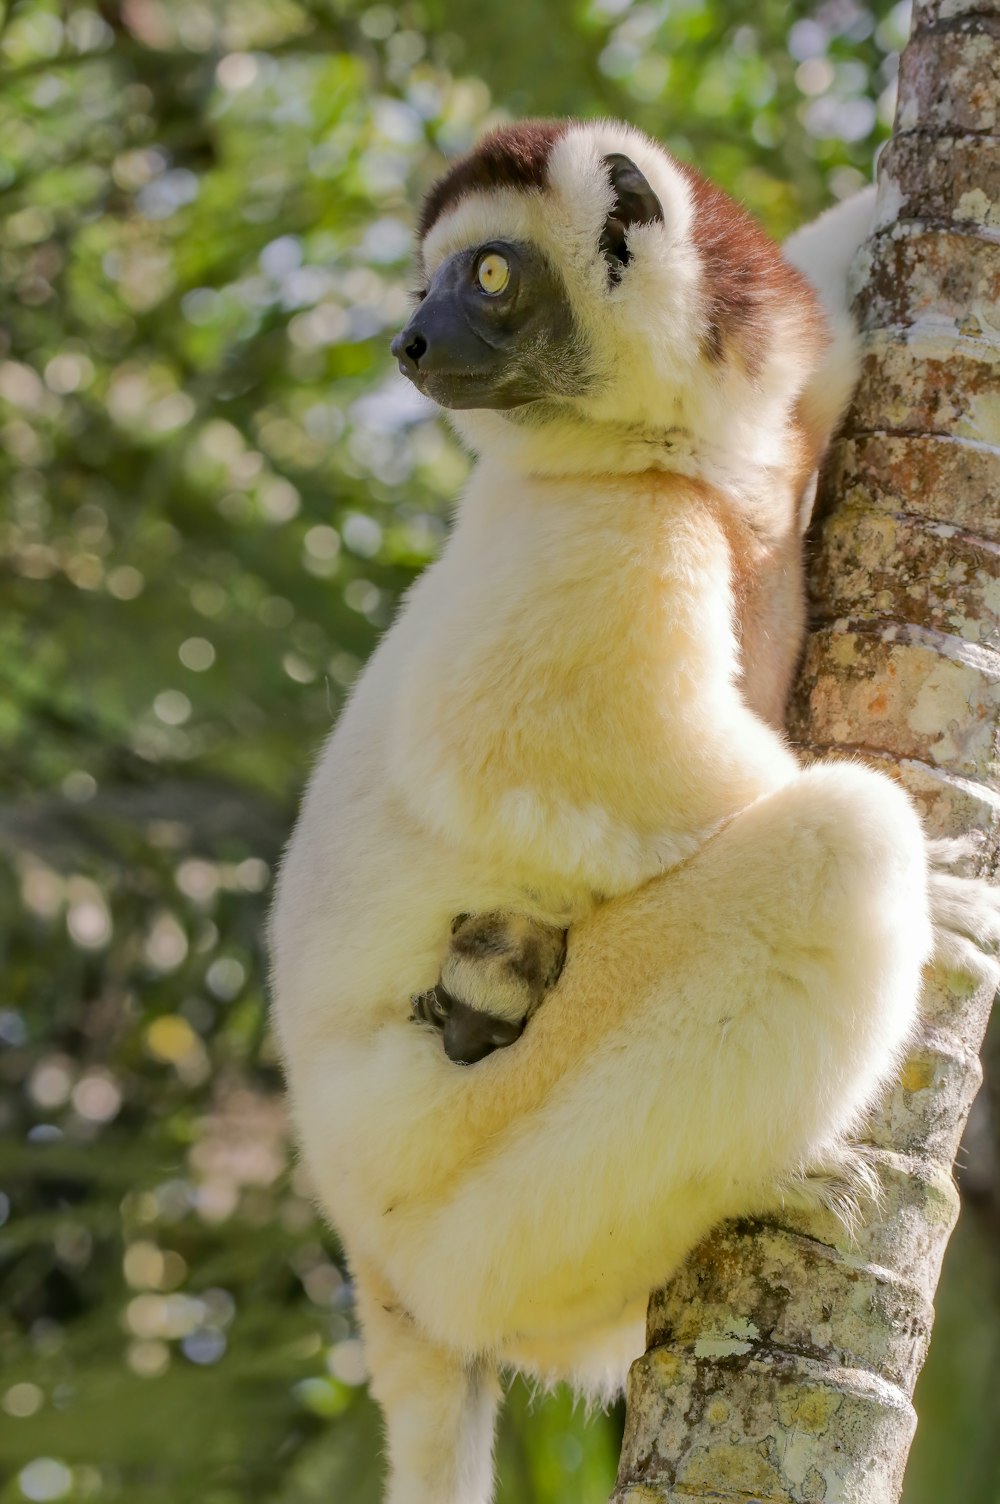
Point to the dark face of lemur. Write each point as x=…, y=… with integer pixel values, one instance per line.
x=494, y=328
x=489, y=330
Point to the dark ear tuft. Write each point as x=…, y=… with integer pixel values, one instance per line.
x=635, y=204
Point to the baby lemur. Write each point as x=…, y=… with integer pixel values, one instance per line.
x=498, y=968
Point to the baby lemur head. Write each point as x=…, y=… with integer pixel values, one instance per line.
x=581, y=288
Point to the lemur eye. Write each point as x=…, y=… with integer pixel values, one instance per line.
x=493, y=273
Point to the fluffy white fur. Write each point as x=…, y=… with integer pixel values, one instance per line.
x=556, y=718
x=824, y=251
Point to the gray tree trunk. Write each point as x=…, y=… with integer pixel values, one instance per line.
x=782, y=1357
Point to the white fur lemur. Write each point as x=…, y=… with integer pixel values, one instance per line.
x=574, y=721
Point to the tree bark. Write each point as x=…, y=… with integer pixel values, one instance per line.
x=783, y=1355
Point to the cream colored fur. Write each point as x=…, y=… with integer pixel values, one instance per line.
x=554, y=725
x=824, y=251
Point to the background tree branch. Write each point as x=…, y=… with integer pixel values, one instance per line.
x=782, y=1358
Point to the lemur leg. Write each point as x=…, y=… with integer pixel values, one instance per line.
x=498, y=968
x=713, y=1032
x=439, y=1409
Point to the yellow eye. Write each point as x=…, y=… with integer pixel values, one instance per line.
x=493, y=272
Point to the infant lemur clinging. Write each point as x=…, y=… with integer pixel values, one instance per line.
x=496, y=329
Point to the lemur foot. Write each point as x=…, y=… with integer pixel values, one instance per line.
x=845, y=1182
x=498, y=968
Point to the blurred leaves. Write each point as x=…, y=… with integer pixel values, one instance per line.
x=215, y=490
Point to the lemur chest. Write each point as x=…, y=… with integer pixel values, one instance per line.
x=602, y=721
x=585, y=741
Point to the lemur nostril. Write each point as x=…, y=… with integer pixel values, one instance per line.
x=417, y=348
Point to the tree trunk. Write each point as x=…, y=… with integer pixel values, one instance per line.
x=782, y=1357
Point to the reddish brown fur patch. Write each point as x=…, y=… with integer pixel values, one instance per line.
x=746, y=277
x=512, y=156
x=768, y=585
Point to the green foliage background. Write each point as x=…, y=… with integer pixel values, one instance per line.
x=214, y=489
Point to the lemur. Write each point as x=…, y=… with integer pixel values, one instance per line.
x=574, y=722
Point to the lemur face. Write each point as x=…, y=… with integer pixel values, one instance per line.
x=576, y=278
x=496, y=327
x=491, y=328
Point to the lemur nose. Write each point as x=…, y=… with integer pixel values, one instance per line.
x=409, y=348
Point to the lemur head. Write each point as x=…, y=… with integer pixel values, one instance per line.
x=577, y=280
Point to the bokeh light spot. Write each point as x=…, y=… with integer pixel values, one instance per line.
x=346, y=1362
x=51, y=1081
x=97, y=1097
x=171, y=1039
x=172, y=707
x=204, y=1346
x=236, y=71
x=148, y=1358
x=23, y=1400
x=45, y=1479
x=197, y=654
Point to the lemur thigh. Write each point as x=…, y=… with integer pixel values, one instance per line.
x=712, y=1032
x=439, y=1410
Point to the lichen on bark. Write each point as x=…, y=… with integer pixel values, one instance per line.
x=782, y=1357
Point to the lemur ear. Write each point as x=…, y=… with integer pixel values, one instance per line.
x=635, y=204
